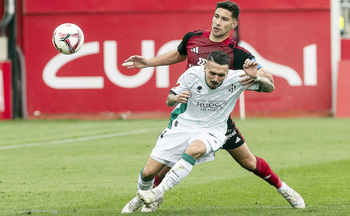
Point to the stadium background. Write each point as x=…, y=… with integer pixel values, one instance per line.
x=291, y=39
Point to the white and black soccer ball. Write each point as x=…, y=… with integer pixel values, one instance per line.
x=68, y=38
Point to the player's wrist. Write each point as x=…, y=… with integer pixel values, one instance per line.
x=257, y=79
x=148, y=63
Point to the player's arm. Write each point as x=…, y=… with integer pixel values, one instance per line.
x=173, y=99
x=240, y=57
x=168, y=58
x=261, y=72
x=250, y=68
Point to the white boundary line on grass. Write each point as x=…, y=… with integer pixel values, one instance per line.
x=79, y=139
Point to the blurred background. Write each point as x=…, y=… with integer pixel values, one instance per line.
x=304, y=44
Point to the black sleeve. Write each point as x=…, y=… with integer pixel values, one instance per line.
x=172, y=92
x=182, y=48
x=240, y=55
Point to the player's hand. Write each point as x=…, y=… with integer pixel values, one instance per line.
x=246, y=80
x=135, y=61
x=183, y=97
x=250, y=67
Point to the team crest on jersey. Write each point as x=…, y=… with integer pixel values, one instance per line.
x=231, y=88
x=199, y=88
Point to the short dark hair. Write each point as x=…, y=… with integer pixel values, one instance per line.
x=219, y=57
x=230, y=6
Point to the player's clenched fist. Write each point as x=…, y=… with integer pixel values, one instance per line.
x=173, y=99
x=183, y=97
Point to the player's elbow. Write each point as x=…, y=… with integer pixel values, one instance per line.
x=269, y=90
x=170, y=103
x=170, y=100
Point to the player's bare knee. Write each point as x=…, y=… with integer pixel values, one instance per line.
x=194, y=153
x=196, y=149
x=248, y=163
x=244, y=157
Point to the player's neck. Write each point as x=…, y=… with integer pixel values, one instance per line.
x=218, y=39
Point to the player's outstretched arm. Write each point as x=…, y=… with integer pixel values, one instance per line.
x=248, y=81
x=168, y=58
x=173, y=100
x=250, y=68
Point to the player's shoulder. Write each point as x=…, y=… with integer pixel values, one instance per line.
x=198, y=32
x=234, y=74
x=237, y=48
x=193, y=74
x=232, y=43
x=195, y=70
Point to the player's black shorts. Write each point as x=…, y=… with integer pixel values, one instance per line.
x=234, y=137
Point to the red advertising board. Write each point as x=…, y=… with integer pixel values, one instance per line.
x=5, y=90
x=287, y=38
x=343, y=88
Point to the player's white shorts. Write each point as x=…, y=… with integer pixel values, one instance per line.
x=172, y=143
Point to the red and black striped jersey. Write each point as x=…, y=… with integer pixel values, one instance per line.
x=197, y=46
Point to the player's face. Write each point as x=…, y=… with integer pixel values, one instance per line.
x=222, y=24
x=215, y=74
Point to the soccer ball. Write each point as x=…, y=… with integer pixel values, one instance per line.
x=68, y=38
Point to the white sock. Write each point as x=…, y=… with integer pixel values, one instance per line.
x=143, y=184
x=282, y=188
x=178, y=172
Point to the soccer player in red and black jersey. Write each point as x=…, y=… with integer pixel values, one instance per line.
x=195, y=47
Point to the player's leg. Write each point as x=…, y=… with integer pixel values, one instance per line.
x=201, y=149
x=257, y=165
x=262, y=169
x=145, y=182
x=159, y=177
x=178, y=172
x=151, y=169
x=235, y=145
x=160, y=156
x=157, y=180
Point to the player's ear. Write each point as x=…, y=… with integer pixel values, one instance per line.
x=234, y=24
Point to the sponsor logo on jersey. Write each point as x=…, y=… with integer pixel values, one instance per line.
x=229, y=134
x=195, y=50
x=211, y=105
x=202, y=61
x=199, y=88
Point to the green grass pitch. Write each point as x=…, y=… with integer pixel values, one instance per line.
x=81, y=167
